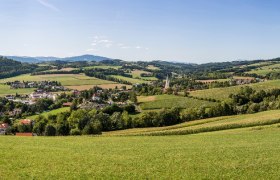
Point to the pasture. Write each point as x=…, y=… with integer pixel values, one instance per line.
x=169, y=101
x=53, y=112
x=103, y=67
x=5, y=90
x=137, y=74
x=223, y=93
x=65, y=79
x=131, y=80
x=152, y=67
x=245, y=153
x=264, y=70
x=208, y=125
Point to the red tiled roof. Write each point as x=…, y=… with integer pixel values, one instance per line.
x=67, y=104
x=24, y=134
x=4, y=125
x=25, y=121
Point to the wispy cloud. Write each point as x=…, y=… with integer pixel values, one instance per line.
x=48, y=5
x=99, y=42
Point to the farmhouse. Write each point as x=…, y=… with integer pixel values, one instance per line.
x=3, y=128
x=243, y=80
x=67, y=104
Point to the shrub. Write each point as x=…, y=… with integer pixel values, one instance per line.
x=75, y=132
x=50, y=130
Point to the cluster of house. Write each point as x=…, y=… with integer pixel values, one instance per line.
x=4, y=127
x=31, y=98
x=53, y=85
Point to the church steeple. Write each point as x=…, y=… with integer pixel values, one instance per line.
x=167, y=83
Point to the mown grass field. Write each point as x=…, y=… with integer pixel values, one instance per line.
x=103, y=67
x=169, y=101
x=223, y=93
x=152, y=67
x=132, y=80
x=65, y=79
x=208, y=125
x=53, y=112
x=137, y=74
x=5, y=90
x=264, y=70
x=233, y=154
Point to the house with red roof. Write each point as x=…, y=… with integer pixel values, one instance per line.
x=3, y=128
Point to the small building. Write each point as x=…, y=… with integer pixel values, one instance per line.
x=3, y=128
x=24, y=134
x=95, y=98
x=67, y=104
x=26, y=121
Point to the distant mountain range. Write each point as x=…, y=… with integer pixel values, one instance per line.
x=85, y=57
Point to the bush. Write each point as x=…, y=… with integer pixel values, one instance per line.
x=50, y=130
x=75, y=132
x=92, y=128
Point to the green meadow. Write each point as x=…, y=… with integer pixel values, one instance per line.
x=103, y=67
x=223, y=93
x=5, y=90
x=131, y=80
x=137, y=74
x=169, y=101
x=247, y=153
x=53, y=112
x=65, y=79
x=264, y=70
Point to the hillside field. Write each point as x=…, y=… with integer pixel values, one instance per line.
x=169, y=101
x=233, y=154
x=53, y=112
x=223, y=93
x=5, y=90
x=131, y=80
x=65, y=79
x=137, y=74
x=207, y=125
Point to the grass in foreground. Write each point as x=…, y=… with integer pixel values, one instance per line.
x=234, y=154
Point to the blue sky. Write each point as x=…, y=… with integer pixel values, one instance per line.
x=195, y=31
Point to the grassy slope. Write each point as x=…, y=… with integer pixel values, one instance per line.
x=169, y=101
x=206, y=125
x=223, y=93
x=5, y=90
x=266, y=69
x=53, y=112
x=233, y=154
x=65, y=79
x=132, y=80
x=103, y=67
x=137, y=74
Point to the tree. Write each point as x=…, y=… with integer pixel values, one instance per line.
x=133, y=97
x=75, y=132
x=92, y=128
x=50, y=130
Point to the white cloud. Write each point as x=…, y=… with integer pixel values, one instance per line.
x=104, y=42
x=48, y=5
x=91, y=49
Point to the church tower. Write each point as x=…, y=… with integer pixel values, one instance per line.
x=167, y=83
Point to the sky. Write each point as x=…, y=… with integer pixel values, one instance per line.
x=191, y=31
